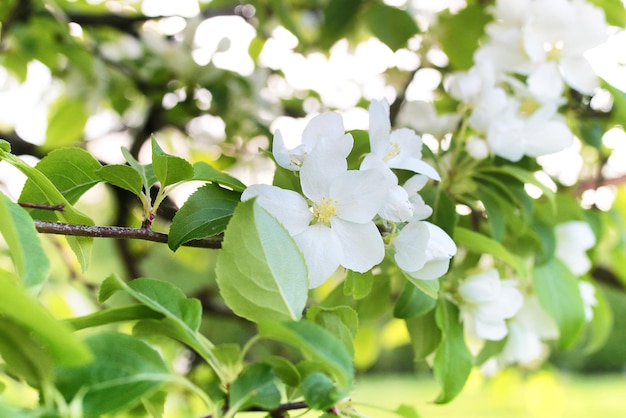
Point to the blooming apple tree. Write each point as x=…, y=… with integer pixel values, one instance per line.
x=482, y=211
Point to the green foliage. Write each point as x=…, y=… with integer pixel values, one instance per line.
x=124, y=371
x=260, y=271
x=558, y=292
x=205, y=213
x=66, y=121
x=453, y=361
x=254, y=387
x=18, y=231
x=169, y=169
x=396, y=36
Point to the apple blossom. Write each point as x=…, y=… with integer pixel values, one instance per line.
x=527, y=331
x=423, y=250
x=401, y=148
x=486, y=302
x=333, y=226
x=573, y=239
x=588, y=295
x=326, y=125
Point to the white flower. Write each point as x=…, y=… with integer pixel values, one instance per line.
x=423, y=250
x=327, y=125
x=477, y=148
x=527, y=330
x=487, y=301
x=588, y=295
x=401, y=148
x=334, y=227
x=413, y=185
x=423, y=117
x=573, y=239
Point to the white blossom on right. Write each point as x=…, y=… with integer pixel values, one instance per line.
x=573, y=240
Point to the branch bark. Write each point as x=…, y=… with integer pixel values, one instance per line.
x=119, y=232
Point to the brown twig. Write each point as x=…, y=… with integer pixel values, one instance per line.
x=118, y=232
x=279, y=411
x=58, y=207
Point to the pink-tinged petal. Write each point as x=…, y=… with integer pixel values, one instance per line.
x=379, y=127
x=325, y=125
x=289, y=207
x=579, y=74
x=321, y=167
x=410, y=246
x=322, y=252
x=359, y=194
x=362, y=245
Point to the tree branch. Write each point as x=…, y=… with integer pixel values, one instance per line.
x=279, y=411
x=119, y=232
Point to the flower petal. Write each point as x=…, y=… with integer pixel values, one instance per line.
x=362, y=245
x=322, y=252
x=322, y=166
x=379, y=127
x=398, y=207
x=359, y=194
x=289, y=207
x=432, y=270
x=579, y=74
x=410, y=245
x=325, y=125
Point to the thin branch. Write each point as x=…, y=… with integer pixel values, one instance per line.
x=279, y=410
x=118, y=232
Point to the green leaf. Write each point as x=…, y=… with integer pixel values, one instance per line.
x=123, y=176
x=56, y=166
x=145, y=171
x=17, y=228
x=406, y=411
x=205, y=213
x=495, y=213
x=359, y=285
x=206, y=172
x=54, y=336
x=396, y=35
x=113, y=315
x=601, y=326
x=168, y=168
x=284, y=370
x=318, y=345
x=525, y=177
x=558, y=292
x=453, y=361
x=67, y=117
x=254, y=387
x=161, y=297
x=125, y=369
x=481, y=244
x=261, y=272
x=5, y=145
x=613, y=10
x=23, y=355
x=319, y=391
x=429, y=287
x=51, y=195
x=425, y=334
x=490, y=349
x=460, y=44
x=413, y=302
x=444, y=209
x=341, y=321
x=182, y=315
x=339, y=19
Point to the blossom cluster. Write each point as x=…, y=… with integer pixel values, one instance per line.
x=334, y=221
x=493, y=308
x=513, y=93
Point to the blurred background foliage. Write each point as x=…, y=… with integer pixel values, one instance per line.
x=212, y=80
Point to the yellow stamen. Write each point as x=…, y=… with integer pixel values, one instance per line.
x=325, y=209
x=394, y=149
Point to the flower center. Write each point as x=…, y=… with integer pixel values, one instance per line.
x=528, y=106
x=554, y=51
x=325, y=209
x=394, y=149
